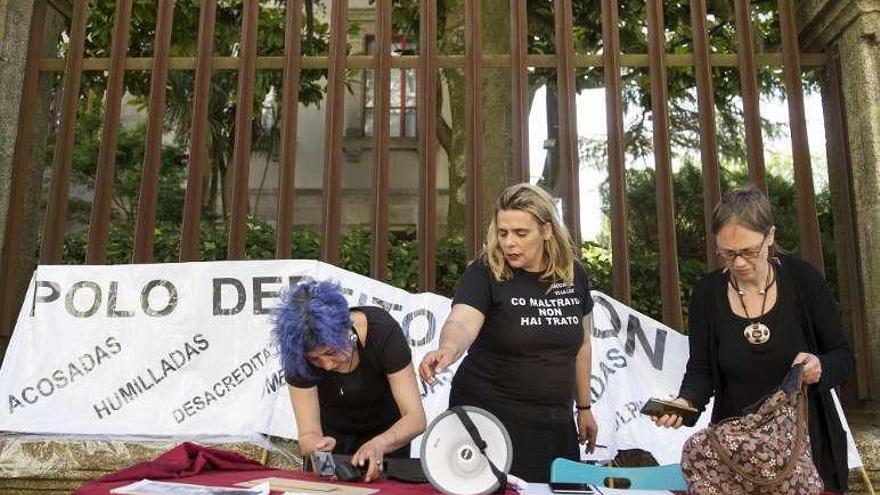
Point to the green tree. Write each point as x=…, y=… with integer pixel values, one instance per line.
x=636, y=82
x=224, y=84
x=683, y=118
x=129, y=154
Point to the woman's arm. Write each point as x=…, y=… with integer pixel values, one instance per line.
x=835, y=359
x=411, y=423
x=696, y=386
x=308, y=421
x=586, y=424
x=459, y=332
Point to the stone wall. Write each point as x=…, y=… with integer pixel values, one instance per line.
x=14, y=36
x=849, y=31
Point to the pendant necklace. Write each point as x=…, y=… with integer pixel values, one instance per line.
x=756, y=332
x=336, y=378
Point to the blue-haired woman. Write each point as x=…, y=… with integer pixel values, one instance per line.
x=350, y=376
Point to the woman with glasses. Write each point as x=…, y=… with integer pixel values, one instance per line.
x=350, y=376
x=753, y=319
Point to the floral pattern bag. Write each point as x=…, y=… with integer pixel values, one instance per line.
x=763, y=452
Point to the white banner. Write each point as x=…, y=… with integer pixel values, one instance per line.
x=635, y=358
x=184, y=349
x=171, y=349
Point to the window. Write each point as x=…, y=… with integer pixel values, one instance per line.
x=403, y=93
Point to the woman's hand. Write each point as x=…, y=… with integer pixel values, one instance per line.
x=812, y=367
x=434, y=362
x=458, y=333
x=319, y=444
x=371, y=455
x=671, y=420
x=588, y=429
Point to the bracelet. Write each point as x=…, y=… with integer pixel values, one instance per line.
x=583, y=408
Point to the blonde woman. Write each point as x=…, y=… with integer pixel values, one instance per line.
x=522, y=311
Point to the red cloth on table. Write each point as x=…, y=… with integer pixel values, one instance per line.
x=187, y=459
x=195, y=464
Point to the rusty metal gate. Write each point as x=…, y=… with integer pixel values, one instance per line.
x=427, y=64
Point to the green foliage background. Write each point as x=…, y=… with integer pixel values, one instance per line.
x=403, y=247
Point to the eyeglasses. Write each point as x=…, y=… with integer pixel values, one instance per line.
x=747, y=253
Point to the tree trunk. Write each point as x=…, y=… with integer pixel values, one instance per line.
x=451, y=134
x=496, y=99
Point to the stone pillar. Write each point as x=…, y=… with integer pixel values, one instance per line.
x=15, y=22
x=849, y=32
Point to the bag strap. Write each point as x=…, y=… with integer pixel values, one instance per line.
x=802, y=417
x=481, y=444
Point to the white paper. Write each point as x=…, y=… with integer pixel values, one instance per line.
x=150, y=487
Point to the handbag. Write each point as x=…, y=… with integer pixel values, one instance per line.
x=765, y=451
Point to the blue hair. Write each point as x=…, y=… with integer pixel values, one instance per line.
x=312, y=314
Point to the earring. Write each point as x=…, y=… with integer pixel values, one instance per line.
x=352, y=336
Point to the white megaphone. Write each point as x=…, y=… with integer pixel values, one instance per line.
x=462, y=459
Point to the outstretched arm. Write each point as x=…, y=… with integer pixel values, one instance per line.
x=458, y=333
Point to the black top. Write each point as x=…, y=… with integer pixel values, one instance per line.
x=751, y=372
x=357, y=406
x=523, y=360
x=805, y=302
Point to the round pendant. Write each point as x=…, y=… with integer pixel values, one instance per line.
x=756, y=333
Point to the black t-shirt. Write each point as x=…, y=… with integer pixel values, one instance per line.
x=750, y=372
x=522, y=363
x=359, y=405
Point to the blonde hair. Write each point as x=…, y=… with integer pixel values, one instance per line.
x=559, y=252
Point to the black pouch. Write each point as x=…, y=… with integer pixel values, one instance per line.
x=405, y=470
x=346, y=471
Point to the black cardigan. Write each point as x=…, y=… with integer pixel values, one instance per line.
x=824, y=335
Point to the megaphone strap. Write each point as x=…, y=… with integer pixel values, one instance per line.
x=481, y=444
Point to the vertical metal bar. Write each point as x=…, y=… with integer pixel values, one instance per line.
x=851, y=275
x=99, y=224
x=620, y=273
x=332, y=214
x=289, y=109
x=55, y=223
x=244, y=116
x=520, y=79
x=670, y=292
x=149, y=190
x=9, y=294
x=708, y=141
x=381, y=138
x=473, y=109
x=748, y=76
x=808, y=221
x=565, y=96
x=199, y=156
x=426, y=92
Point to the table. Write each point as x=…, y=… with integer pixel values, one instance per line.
x=230, y=478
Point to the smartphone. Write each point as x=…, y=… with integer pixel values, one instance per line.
x=322, y=463
x=658, y=407
x=571, y=488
